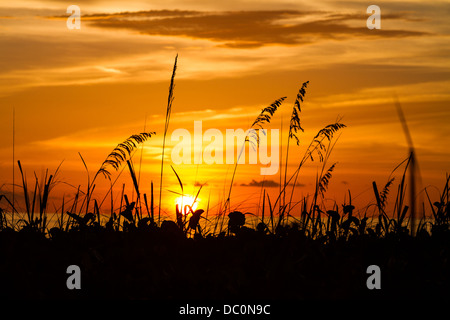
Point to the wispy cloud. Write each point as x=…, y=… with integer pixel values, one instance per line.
x=108, y=70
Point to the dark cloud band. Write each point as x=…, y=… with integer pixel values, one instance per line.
x=237, y=29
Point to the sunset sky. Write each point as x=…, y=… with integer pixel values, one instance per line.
x=84, y=91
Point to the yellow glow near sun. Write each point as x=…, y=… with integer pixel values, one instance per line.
x=189, y=200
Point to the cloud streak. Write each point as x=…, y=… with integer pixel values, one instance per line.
x=249, y=29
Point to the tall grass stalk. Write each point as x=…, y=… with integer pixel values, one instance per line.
x=294, y=127
x=166, y=127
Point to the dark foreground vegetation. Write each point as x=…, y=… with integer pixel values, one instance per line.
x=160, y=263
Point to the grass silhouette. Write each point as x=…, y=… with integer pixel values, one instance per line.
x=298, y=249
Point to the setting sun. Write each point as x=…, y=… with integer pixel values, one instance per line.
x=187, y=200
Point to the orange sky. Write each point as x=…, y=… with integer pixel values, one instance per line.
x=84, y=91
